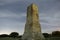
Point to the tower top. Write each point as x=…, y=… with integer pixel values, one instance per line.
x=33, y=4
x=33, y=7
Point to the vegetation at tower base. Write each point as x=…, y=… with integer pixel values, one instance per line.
x=11, y=36
x=55, y=35
x=14, y=34
x=46, y=35
x=32, y=27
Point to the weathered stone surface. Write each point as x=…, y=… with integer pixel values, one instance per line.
x=32, y=26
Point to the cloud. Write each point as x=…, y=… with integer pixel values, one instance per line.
x=9, y=1
x=8, y=13
x=7, y=27
x=10, y=22
x=13, y=14
x=51, y=22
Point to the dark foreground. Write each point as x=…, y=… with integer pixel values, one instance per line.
x=10, y=38
x=53, y=38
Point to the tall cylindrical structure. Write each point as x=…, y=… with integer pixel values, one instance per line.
x=32, y=27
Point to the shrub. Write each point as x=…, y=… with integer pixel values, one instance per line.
x=46, y=35
x=56, y=34
x=14, y=34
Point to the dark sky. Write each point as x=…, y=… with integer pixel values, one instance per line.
x=13, y=15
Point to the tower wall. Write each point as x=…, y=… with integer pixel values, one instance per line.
x=32, y=26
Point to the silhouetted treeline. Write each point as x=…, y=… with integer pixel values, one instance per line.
x=53, y=34
x=12, y=34
x=4, y=35
x=46, y=35
x=56, y=34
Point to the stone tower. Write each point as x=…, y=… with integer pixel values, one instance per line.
x=32, y=26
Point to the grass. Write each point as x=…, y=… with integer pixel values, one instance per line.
x=53, y=38
x=9, y=38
